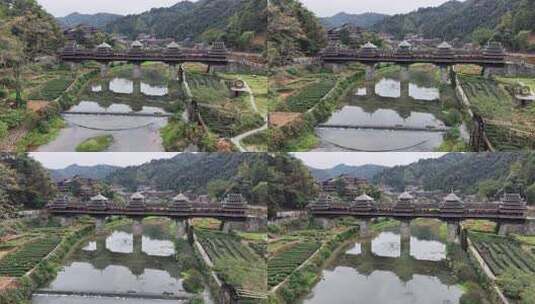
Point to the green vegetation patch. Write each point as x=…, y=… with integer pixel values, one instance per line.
x=310, y=95
x=501, y=253
x=285, y=262
x=95, y=144
x=26, y=258
x=52, y=89
x=235, y=262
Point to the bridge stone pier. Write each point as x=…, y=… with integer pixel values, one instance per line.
x=453, y=232
x=136, y=90
x=364, y=228
x=99, y=223
x=404, y=78
x=444, y=74
x=104, y=69
x=136, y=71
x=182, y=227
x=370, y=72
x=405, y=238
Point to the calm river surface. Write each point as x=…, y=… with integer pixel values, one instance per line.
x=120, y=94
x=386, y=270
x=385, y=107
x=116, y=264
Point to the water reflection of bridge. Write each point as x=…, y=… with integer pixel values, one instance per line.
x=405, y=266
x=136, y=261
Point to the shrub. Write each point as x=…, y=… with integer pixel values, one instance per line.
x=193, y=282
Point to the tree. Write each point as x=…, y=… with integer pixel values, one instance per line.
x=12, y=59
x=530, y=193
x=482, y=35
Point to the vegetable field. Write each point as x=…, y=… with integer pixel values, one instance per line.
x=16, y=264
x=501, y=253
x=284, y=263
x=309, y=96
x=235, y=263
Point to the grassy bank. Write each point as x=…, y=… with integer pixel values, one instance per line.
x=95, y=144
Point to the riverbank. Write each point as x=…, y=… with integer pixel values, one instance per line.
x=41, y=258
x=316, y=107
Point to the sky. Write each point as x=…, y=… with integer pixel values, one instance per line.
x=326, y=8
x=60, y=8
x=327, y=160
x=57, y=160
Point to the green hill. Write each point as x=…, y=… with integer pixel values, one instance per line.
x=483, y=173
x=240, y=23
x=99, y=20
x=23, y=183
x=293, y=31
x=365, y=20
x=470, y=20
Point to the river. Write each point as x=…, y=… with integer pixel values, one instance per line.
x=387, y=115
x=385, y=269
x=119, y=268
x=120, y=94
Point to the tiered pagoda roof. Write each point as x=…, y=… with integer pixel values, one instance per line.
x=405, y=203
x=137, y=202
x=60, y=202
x=99, y=202
x=234, y=201
x=363, y=203
x=452, y=204
x=218, y=48
x=136, y=47
x=404, y=47
x=513, y=203
x=369, y=49
x=445, y=49
x=181, y=203
x=173, y=48
x=494, y=49
x=323, y=202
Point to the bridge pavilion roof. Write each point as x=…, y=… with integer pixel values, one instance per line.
x=99, y=197
x=136, y=44
x=181, y=198
x=444, y=45
x=364, y=198
x=137, y=196
x=405, y=45
x=405, y=196
x=452, y=197
x=104, y=45
x=173, y=45
x=369, y=45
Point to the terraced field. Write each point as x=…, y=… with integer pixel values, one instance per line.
x=236, y=263
x=501, y=253
x=309, y=96
x=17, y=263
x=285, y=262
x=509, y=127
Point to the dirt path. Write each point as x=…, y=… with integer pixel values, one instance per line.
x=237, y=139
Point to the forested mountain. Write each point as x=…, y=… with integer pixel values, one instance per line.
x=240, y=23
x=26, y=31
x=483, y=173
x=23, y=183
x=99, y=20
x=291, y=186
x=366, y=171
x=93, y=172
x=479, y=20
x=365, y=20
x=293, y=31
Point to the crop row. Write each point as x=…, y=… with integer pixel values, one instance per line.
x=219, y=245
x=18, y=263
x=502, y=254
x=284, y=263
x=310, y=95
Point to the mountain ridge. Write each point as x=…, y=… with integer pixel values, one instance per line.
x=98, y=20
x=368, y=171
x=364, y=20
